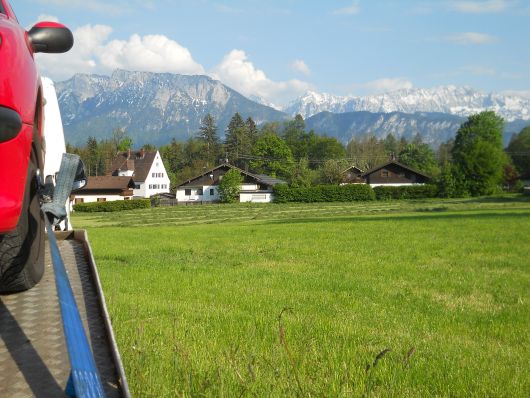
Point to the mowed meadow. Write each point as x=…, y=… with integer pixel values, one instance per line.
x=401, y=298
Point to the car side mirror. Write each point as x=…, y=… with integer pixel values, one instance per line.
x=80, y=179
x=50, y=37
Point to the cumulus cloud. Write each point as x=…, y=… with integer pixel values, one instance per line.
x=298, y=65
x=93, y=52
x=386, y=85
x=471, y=38
x=153, y=53
x=479, y=7
x=353, y=9
x=236, y=71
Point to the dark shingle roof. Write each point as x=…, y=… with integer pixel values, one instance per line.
x=211, y=177
x=397, y=164
x=110, y=183
x=138, y=161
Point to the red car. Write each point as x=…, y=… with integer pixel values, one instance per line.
x=22, y=147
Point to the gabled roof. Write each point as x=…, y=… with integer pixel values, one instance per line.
x=211, y=177
x=108, y=183
x=138, y=161
x=353, y=168
x=394, y=162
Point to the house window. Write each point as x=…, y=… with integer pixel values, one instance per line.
x=212, y=192
x=150, y=186
x=79, y=200
x=187, y=192
x=136, y=186
x=102, y=199
x=199, y=191
x=384, y=173
x=153, y=175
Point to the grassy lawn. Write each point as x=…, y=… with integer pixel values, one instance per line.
x=403, y=298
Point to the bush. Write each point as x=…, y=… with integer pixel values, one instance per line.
x=117, y=205
x=406, y=192
x=230, y=186
x=323, y=193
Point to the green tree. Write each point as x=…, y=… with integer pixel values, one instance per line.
x=273, y=156
x=237, y=141
x=252, y=130
x=230, y=186
x=324, y=148
x=92, y=156
x=332, y=171
x=444, y=152
x=296, y=137
x=367, y=152
x=519, y=150
x=391, y=144
x=420, y=157
x=301, y=175
x=208, y=135
x=478, y=155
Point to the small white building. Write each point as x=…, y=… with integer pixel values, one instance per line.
x=256, y=188
x=104, y=189
x=147, y=170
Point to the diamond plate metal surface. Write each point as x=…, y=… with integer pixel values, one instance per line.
x=33, y=357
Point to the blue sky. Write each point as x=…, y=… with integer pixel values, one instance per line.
x=279, y=49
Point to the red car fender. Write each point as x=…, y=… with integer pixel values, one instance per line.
x=19, y=94
x=14, y=159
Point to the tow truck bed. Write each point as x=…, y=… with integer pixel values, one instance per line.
x=33, y=356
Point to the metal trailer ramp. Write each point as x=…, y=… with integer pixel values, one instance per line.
x=33, y=355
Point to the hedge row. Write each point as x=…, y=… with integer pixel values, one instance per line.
x=323, y=193
x=116, y=205
x=406, y=192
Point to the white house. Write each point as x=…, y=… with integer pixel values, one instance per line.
x=104, y=189
x=147, y=170
x=256, y=188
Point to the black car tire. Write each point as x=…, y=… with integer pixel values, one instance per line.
x=22, y=250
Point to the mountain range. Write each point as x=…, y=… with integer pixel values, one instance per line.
x=157, y=107
x=152, y=107
x=459, y=101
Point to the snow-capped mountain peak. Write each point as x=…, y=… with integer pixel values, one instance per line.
x=461, y=101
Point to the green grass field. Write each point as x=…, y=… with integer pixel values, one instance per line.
x=401, y=299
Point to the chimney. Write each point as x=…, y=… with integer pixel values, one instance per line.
x=128, y=153
x=142, y=153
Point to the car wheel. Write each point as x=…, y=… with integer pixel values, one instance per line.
x=22, y=250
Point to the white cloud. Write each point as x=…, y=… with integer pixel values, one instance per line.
x=479, y=7
x=298, y=65
x=94, y=53
x=386, y=85
x=236, y=71
x=471, y=38
x=353, y=9
x=153, y=53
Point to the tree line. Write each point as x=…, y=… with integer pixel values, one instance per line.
x=474, y=163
